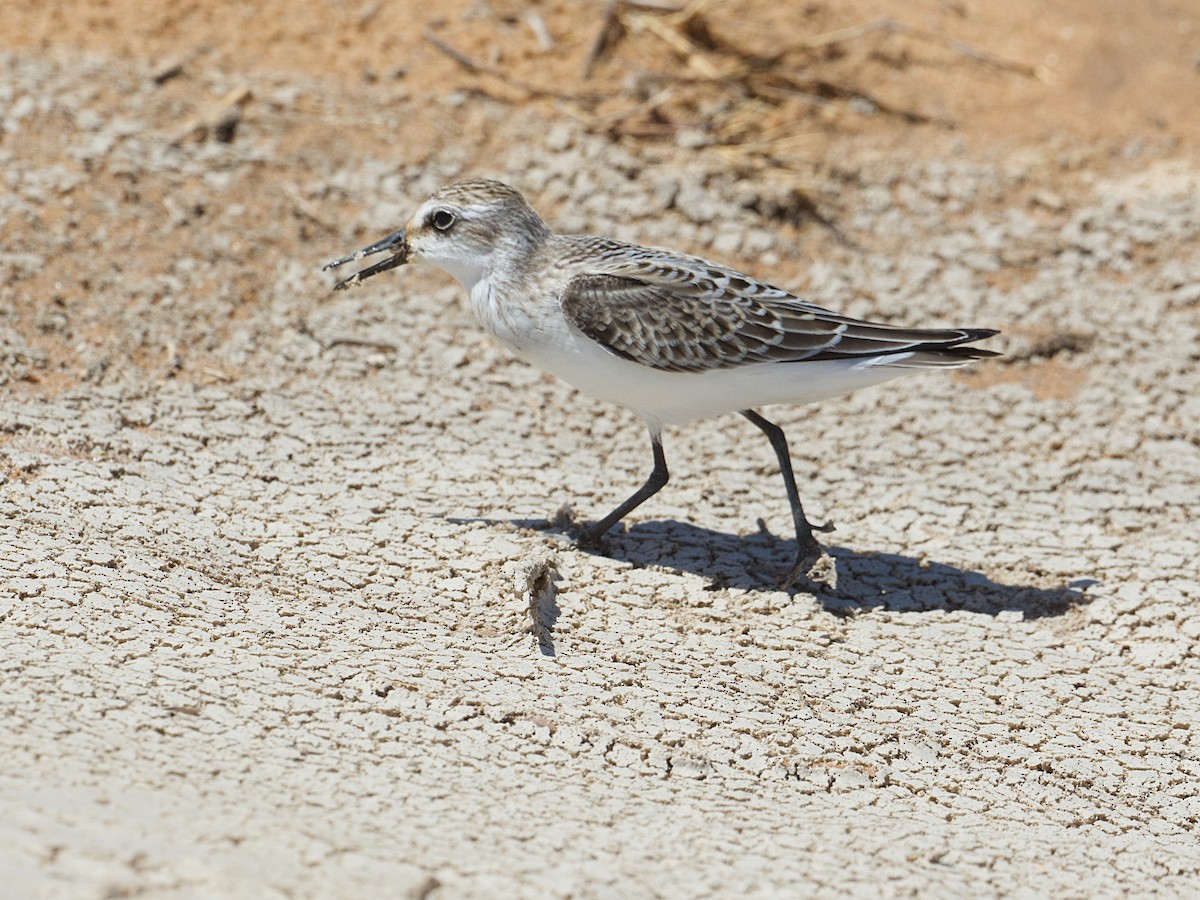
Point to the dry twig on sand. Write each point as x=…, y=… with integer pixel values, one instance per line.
x=478, y=68
x=219, y=122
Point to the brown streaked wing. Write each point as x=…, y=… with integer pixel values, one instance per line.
x=684, y=327
x=686, y=321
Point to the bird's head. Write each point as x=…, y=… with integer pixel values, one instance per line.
x=464, y=229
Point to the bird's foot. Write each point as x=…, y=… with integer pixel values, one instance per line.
x=812, y=563
x=564, y=520
x=590, y=539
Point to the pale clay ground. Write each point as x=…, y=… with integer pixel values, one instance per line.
x=278, y=625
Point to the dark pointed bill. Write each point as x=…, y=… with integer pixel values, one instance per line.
x=397, y=243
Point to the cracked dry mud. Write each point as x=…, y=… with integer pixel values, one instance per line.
x=280, y=613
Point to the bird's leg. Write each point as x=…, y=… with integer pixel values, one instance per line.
x=808, y=551
x=652, y=486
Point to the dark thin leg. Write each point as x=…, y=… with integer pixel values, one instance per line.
x=653, y=485
x=808, y=551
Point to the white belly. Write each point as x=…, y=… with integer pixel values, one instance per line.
x=675, y=398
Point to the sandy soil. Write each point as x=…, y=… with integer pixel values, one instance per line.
x=282, y=610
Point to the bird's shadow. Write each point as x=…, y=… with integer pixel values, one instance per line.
x=866, y=580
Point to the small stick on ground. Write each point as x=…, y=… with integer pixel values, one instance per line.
x=612, y=29
x=477, y=68
x=613, y=122
x=541, y=32
x=305, y=208
x=219, y=122
x=891, y=26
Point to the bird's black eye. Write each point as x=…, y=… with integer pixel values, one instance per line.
x=442, y=219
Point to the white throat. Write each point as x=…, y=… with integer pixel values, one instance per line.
x=467, y=272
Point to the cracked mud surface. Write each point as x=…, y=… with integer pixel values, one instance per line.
x=282, y=611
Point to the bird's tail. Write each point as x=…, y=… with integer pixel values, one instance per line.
x=945, y=354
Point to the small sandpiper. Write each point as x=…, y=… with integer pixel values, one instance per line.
x=671, y=337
